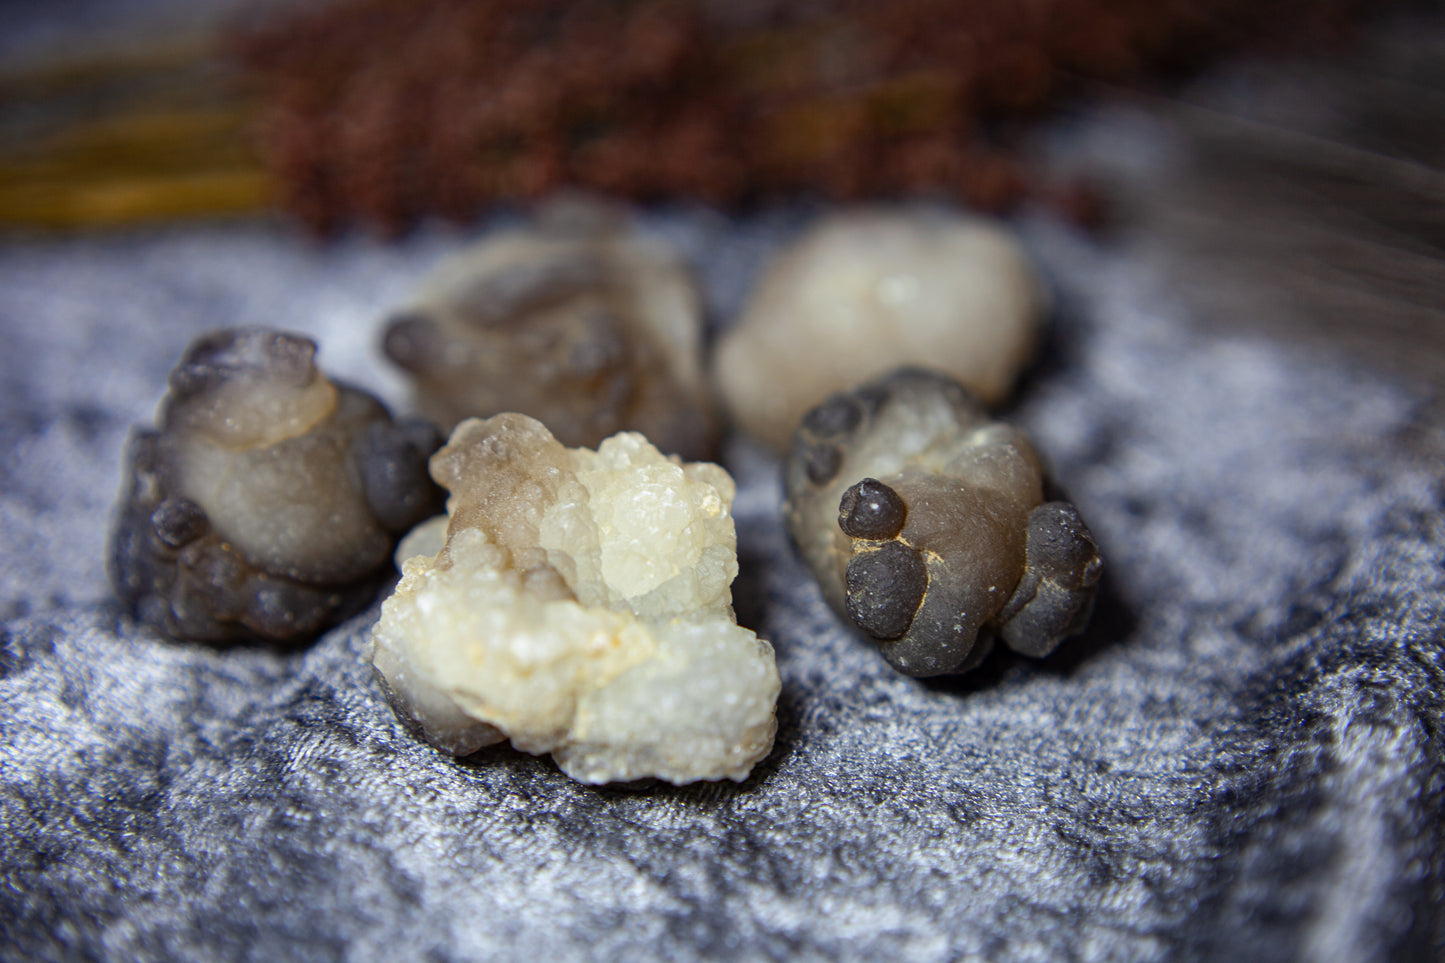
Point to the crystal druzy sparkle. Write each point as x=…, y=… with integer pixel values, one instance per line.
x=579, y=605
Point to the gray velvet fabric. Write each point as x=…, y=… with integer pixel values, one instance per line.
x=1241, y=760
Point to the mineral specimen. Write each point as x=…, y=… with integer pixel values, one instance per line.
x=268, y=502
x=925, y=523
x=577, y=321
x=581, y=605
x=869, y=291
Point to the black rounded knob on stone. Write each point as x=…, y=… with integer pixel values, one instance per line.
x=872, y=510
x=884, y=589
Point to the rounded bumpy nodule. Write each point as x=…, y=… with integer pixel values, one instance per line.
x=268, y=500
x=881, y=287
x=577, y=321
x=925, y=523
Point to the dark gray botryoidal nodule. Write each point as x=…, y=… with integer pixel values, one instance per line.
x=925, y=522
x=577, y=320
x=268, y=501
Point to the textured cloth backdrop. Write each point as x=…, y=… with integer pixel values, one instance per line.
x=1241, y=760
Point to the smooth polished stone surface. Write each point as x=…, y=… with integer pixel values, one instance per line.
x=869, y=290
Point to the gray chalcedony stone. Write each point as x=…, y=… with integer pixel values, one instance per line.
x=929, y=531
x=268, y=500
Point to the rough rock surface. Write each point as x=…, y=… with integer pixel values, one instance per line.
x=267, y=502
x=872, y=290
x=926, y=524
x=581, y=605
x=577, y=320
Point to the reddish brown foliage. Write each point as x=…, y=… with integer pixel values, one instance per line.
x=385, y=110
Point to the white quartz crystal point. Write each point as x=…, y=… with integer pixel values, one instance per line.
x=872, y=290
x=581, y=605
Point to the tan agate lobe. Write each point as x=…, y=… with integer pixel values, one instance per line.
x=926, y=525
x=268, y=501
x=866, y=292
x=577, y=321
x=578, y=603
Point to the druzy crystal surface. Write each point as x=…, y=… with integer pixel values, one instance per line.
x=580, y=605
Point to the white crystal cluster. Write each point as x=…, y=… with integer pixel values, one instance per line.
x=579, y=605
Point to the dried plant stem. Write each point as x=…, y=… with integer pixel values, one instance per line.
x=121, y=138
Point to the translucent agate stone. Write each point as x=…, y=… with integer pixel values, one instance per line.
x=926, y=524
x=577, y=321
x=869, y=291
x=267, y=501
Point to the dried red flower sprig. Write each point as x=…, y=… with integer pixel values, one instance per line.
x=387, y=110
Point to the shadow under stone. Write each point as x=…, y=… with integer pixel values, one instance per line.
x=1113, y=623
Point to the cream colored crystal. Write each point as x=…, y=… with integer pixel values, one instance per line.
x=869, y=291
x=581, y=605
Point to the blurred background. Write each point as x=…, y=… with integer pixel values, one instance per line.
x=383, y=112
x=1305, y=136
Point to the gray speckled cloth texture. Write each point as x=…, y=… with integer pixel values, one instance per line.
x=1241, y=760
